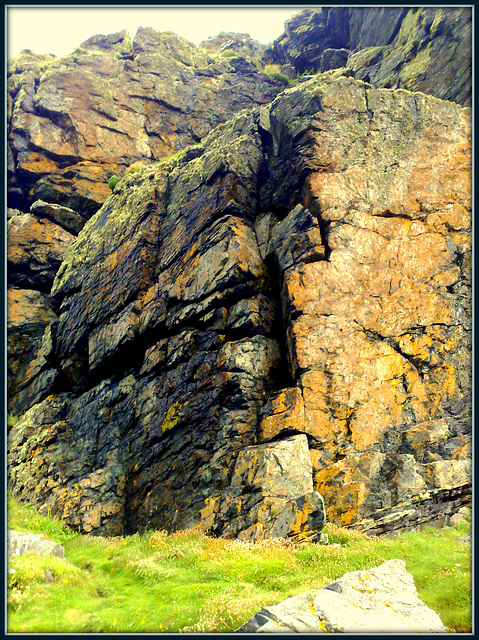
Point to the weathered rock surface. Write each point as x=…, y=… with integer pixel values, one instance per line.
x=36, y=243
x=35, y=249
x=380, y=600
x=66, y=218
x=75, y=121
x=19, y=542
x=241, y=43
x=301, y=278
x=29, y=313
x=424, y=49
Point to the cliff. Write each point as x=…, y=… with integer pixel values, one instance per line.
x=74, y=121
x=425, y=49
x=269, y=328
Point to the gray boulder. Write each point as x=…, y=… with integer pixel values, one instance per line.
x=379, y=600
x=19, y=542
x=65, y=217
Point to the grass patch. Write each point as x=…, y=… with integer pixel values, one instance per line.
x=188, y=582
x=12, y=420
x=274, y=71
x=136, y=167
x=172, y=157
x=230, y=54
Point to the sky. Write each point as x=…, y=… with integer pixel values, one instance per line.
x=59, y=30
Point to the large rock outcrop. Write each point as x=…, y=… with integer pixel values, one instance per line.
x=424, y=49
x=280, y=314
x=75, y=121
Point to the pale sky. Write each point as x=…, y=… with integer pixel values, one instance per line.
x=58, y=30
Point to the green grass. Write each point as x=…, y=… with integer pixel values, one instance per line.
x=12, y=420
x=230, y=53
x=277, y=75
x=192, y=583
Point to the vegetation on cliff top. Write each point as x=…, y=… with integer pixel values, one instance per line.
x=188, y=582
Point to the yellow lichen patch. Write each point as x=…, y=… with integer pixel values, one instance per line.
x=286, y=412
x=419, y=347
x=441, y=384
x=208, y=514
x=171, y=417
x=343, y=494
x=38, y=163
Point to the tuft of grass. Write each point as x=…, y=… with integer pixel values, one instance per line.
x=136, y=167
x=25, y=517
x=274, y=71
x=171, y=158
x=230, y=53
x=191, y=583
x=306, y=72
x=12, y=420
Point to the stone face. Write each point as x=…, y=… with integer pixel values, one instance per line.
x=78, y=120
x=241, y=43
x=296, y=287
x=35, y=248
x=70, y=220
x=271, y=486
x=36, y=244
x=425, y=49
x=379, y=600
x=29, y=313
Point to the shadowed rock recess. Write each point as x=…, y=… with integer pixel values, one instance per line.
x=266, y=331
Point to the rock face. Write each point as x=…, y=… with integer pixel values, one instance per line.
x=380, y=600
x=281, y=313
x=36, y=243
x=240, y=43
x=425, y=49
x=75, y=121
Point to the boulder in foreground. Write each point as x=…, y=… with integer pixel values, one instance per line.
x=20, y=542
x=379, y=600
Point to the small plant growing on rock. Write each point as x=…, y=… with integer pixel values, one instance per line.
x=12, y=420
x=136, y=167
x=230, y=53
x=307, y=72
x=274, y=71
x=113, y=181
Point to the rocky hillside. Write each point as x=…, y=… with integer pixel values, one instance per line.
x=76, y=120
x=424, y=49
x=269, y=328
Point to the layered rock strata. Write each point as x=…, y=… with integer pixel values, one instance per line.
x=75, y=121
x=36, y=243
x=424, y=49
x=280, y=314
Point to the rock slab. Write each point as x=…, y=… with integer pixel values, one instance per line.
x=379, y=600
x=20, y=542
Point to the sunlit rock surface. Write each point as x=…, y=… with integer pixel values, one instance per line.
x=296, y=287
